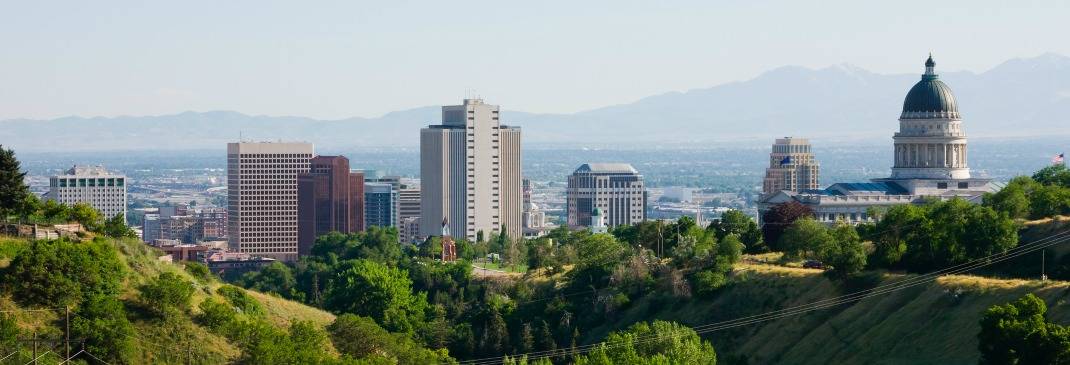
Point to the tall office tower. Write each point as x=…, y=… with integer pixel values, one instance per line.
x=470, y=173
x=614, y=189
x=94, y=185
x=792, y=167
x=380, y=205
x=150, y=227
x=330, y=198
x=262, y=197
x=408, y=212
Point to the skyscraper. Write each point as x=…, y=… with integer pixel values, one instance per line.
x=470, y=172
x=380, y=204
x=330, y=198
x=615, y=190
x=262, y=197
x=792, y=167
x=93, y=185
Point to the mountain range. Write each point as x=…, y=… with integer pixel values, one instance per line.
x=1018, y=98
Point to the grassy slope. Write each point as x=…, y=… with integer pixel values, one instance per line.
x=166, y=341
x=934, y=323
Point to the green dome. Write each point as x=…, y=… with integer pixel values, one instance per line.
x=930, y=97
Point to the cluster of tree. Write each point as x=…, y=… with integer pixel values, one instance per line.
x=413, y=302
x=84, y=275
x=1045, y=194
x=659, y=342
x=840, y=248
x=1018, y=333
x=938, y=234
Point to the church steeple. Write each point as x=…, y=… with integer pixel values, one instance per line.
x=930, y=66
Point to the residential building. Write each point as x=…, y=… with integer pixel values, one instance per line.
x=103, y=190
x=330, y=198
x=616, y=189
x=380, y=204
x=929, y=162
x=792, y=167
x=262, y=197
x=470, y=173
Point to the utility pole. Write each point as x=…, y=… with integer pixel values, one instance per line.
x=34, y=348
x=67, y=332
x=1043, y=272
x=189, y=354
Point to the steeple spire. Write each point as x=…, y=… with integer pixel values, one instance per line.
x=930, y=65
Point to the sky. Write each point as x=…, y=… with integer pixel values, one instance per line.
x=339, y=59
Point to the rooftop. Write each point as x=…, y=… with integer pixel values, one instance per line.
x=607, y=168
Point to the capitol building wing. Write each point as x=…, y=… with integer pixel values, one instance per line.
x=930, y=161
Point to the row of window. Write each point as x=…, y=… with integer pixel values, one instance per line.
x=90, y=182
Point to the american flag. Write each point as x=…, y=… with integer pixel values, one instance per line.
x=1058, y=159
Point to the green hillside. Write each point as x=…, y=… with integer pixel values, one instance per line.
x=174, y=339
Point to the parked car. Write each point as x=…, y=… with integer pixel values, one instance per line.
x=813, y=264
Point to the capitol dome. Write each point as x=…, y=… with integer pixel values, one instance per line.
x=930, y=98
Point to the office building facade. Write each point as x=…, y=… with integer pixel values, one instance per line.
x=380, y=204
x=330, y=198
x=262, y=197
x=615, y=190
x=93, y=185
x=792, y=167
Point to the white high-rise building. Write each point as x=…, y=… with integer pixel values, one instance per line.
x=102, y=190
x=470, y=173
x=262, y=197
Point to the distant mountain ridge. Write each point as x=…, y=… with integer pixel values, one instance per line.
x=1020, y=97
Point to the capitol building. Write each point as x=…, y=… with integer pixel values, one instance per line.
x=930, y=162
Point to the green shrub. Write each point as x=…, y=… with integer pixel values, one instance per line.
x=101, y=321
x=166, y=293
x=199, y=271
x=241, y=300
x=61, y=272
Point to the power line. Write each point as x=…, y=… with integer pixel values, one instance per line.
x=822, y=304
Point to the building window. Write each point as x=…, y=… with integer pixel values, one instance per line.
x=942, y=185
x=964, y=185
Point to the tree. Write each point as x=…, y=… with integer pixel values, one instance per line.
x=166, y=293
x=13, y=189
x=844, y=252
x=1017, y=333
x=368, y=288
x=116, y=227
x=804, y=238
x=361, y=338
x=275, y=278
x=87, y=216
x=658, y=342
x=779, y=218
x=1013, y=198
x=101, y=321
x=61, y=272
x=738, y=223
x=1056, y=174
x=597, y=256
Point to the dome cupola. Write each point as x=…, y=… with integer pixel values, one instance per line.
x=930, y=98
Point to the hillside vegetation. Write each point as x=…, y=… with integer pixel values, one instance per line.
x=172, y=339
x=934, y=323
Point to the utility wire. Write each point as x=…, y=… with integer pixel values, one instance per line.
x=859, y=295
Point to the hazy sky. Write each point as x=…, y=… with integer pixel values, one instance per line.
x=328, y=59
